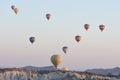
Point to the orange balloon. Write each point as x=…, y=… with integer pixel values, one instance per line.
x=16, y=10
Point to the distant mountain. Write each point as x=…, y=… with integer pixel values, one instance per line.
x=33, y=68
x=113, y=71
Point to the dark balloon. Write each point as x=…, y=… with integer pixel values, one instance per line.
x=101, y=27
x=48, y=16
x=13, y=7
x=86, y=26
x=32, y=39
x=78, y=38
x=65, y=49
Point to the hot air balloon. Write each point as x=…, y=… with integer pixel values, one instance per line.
x=56, y=60
x=16, y=10
x=48, y=16
x=86, y=26
x=78, y=38
x=101, y=27
x=65, y=49
x=65, y=69
x=13, y=7
x=32, y=39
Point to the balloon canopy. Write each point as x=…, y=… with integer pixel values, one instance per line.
x=13, y=7
x=101, y=27
x=65, y=69
x=86, y=26
x=56, y=60
x=48, y=16
x=65, y=49
x=32, y=39
x=16, y=10
x=78, y=38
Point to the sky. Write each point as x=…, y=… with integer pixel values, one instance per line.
x=95, y=50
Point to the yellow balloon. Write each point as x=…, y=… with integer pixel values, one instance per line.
x=16, y=10
x=56, y=60
x=65, y=69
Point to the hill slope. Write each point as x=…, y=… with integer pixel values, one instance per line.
x=33, y=68
x=113, y=71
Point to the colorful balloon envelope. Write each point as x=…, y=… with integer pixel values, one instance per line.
x=65, y=69
x=13, y=7
x=56, y=60
x=48, y=16
x=101, y=27
x=32, y=39
x=65, y=49
x=16, y=10
x=78, y=38
x=86, y=26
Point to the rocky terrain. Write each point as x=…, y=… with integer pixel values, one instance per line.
x=113, y=71
x=22, y=74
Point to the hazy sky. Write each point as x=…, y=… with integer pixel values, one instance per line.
x=96, y=49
